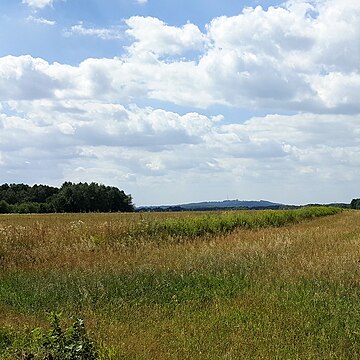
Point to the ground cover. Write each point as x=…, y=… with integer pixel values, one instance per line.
x=265, y=288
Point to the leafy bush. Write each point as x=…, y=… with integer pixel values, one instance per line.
x=58, y=344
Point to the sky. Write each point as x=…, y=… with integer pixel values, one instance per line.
x=177, y=101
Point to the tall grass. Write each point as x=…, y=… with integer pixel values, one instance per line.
x=216, y=224
x=269, y=285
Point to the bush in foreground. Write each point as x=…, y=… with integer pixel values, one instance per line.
x=58, y=344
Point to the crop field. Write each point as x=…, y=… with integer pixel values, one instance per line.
x=225, y=285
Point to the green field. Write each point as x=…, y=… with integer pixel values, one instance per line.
x=229, y=285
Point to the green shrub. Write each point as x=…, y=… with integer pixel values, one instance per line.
x=58, y=344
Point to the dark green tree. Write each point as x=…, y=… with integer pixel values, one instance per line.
x=4, y=207
x=71, y=197
x=93, y=197
x=355, y=204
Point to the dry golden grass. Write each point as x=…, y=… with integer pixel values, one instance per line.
x=93, y=241
x=294, y=276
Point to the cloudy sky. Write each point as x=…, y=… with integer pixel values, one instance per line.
x=183, y=100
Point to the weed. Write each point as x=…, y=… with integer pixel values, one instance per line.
x=58, y=344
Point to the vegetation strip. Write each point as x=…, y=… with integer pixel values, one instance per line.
x=217, y=224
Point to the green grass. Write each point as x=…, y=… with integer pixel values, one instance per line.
x=29, y=293
x=212, y=319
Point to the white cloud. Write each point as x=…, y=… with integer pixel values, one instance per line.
x=25, y=78
x=66, y=128
x=339, y=91
x=295, y=57
x=41, y=21
x=38, y=4
x=142, y=2
x=133, y=126
x=300, y=57
x=154, y=36
x=102, y=33
x=140, y=145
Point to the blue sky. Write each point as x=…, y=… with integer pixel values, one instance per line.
x=182, y=101
x=19, y=35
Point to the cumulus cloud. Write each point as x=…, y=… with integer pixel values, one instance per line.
x=154, y=36
x=25, y=78
x=133, y=126
x=278, y=55
x=302, y=56
x=140, y=145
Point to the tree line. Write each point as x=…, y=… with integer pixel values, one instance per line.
x=70, y=197
x=355, y=204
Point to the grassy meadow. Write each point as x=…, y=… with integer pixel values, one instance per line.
x=229, y=285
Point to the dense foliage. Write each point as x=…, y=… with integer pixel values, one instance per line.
x=355, y=204
x=71, y=343
x=70, y=197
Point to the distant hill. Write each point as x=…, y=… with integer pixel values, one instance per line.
x=215, y=205
x=231, y=204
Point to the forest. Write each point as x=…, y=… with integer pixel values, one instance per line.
x=70, y=197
